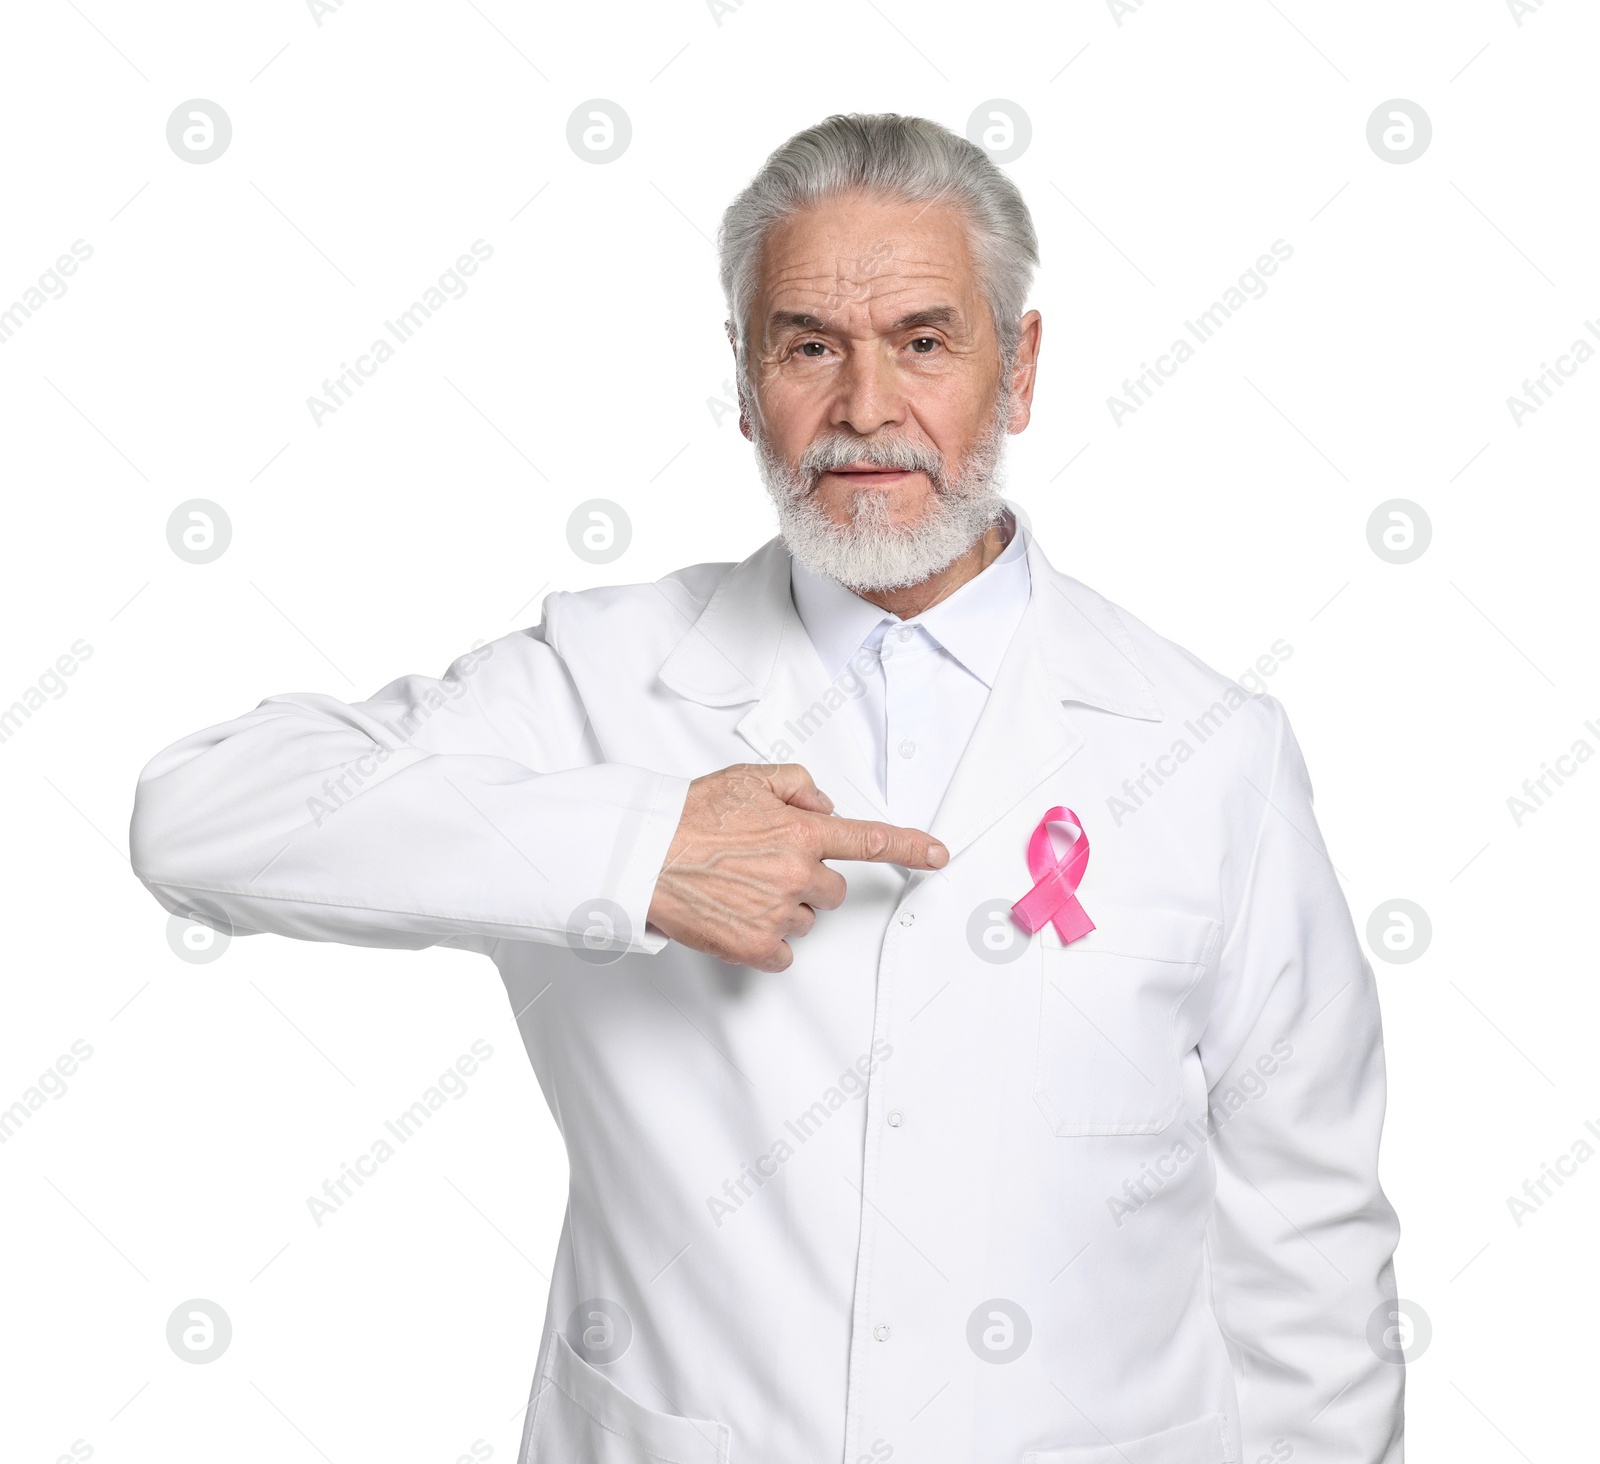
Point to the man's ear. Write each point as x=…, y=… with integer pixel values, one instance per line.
x=1025, y=370
x=744, y=419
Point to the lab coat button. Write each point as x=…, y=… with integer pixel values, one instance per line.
x=908, y=748
x=881, y=1332
x=907, y=918
x=896, y=1119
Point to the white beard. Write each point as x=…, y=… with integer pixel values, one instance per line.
x=870, y=552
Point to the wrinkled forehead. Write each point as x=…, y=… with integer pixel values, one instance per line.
x=861, y=263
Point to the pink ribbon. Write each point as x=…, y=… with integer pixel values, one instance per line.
x=1053, y=896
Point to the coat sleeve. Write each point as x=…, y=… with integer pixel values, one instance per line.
x=442, y=811
x=1302, y=1238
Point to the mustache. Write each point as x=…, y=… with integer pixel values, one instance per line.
x=836, y=451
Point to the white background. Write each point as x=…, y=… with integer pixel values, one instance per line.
x=371, y=150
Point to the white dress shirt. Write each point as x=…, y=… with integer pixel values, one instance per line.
x=924, y=681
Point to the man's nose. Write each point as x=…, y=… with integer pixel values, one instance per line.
x=869, y=394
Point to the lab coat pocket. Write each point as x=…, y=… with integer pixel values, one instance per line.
x=1202, y=1442
x=581, y=1415
x=1109, y=1003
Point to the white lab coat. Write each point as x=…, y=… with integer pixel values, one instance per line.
x=938, y=1193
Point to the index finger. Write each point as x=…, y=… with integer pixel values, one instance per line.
x=880, y=843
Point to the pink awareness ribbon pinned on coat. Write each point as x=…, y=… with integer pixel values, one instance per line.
x=1053, y=897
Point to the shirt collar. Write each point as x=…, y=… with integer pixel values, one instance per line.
x=974, y=625
x=734, y=643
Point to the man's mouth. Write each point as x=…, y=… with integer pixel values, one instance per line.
x=867, y=473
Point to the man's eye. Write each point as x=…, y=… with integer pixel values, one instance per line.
x=806, y=348
x=923, y=344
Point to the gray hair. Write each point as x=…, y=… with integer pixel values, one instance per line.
x=908, y=158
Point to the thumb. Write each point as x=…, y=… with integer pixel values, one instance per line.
x=792, y=783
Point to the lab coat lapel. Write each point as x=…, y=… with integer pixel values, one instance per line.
x=798, y=721
x=1070, y=646
x=749, y=645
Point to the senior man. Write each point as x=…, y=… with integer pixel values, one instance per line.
x=1050, y=1136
